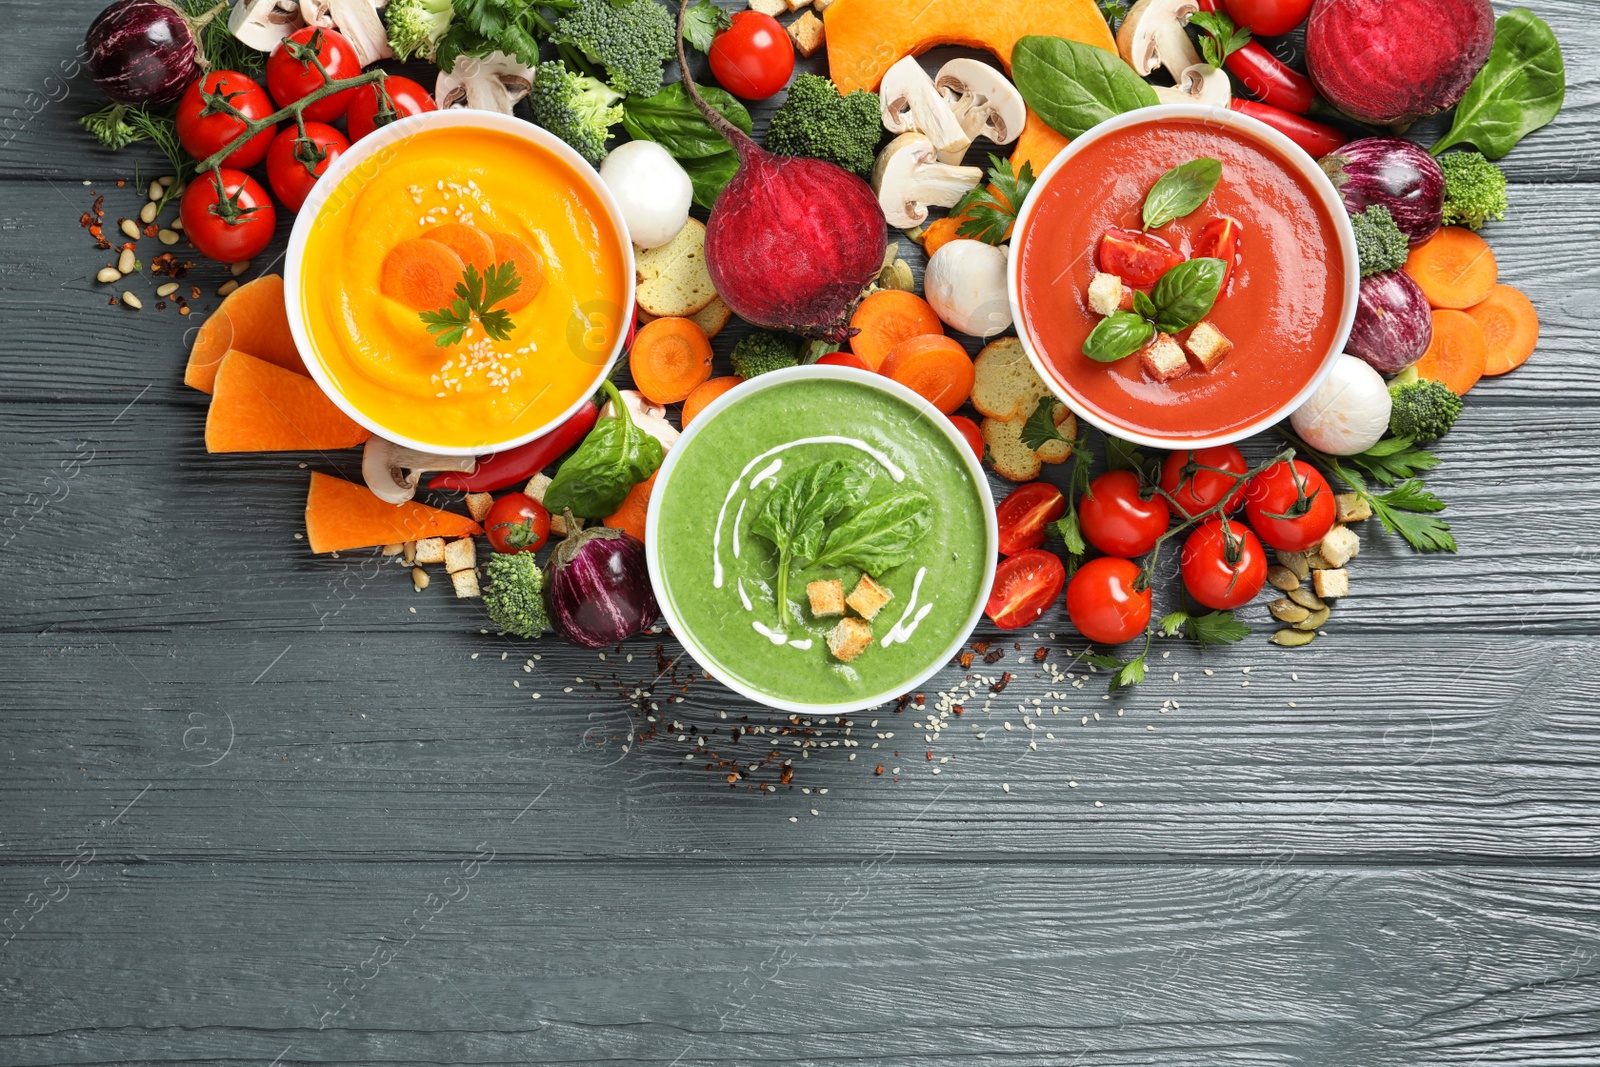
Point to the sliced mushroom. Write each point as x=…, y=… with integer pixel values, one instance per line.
x=1152, y=36
x=493, y=83
x=392, y=471
x=261, y=24
x=909, y=179
x=910, y=103
x=985, y=103
x=1199, y=84
x=315, y=13
x=649, y=417
x=358, y=20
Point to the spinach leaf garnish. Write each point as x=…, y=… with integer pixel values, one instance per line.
x=615, y=457
x=1073, y=86
x=882, y=535
x=795, y=515
x=1520, y=88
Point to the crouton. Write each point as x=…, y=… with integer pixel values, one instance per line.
x=430, y=550
x=1015, y=461
x=849, y=639
x=1163, y=360
x=536, y=486
x=821, y=6
x=478, y=505
x=1331, y=583
x=393, y=550
x=769, y=7
x=460, y=555
x=466, y=583
x=1105, y=294
x=1340, y=546
x=796, y=5
x=868, y=597
x=1351, y=508
x=673, y=280
x=827, y=598
x=807, y=34
x=1207, y=346
x=1005, y=385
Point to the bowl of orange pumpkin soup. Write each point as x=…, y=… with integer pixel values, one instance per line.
x=1285, y=306
x=459, y=198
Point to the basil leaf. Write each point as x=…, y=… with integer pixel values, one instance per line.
x=1187, y=292
x=1520, y=88
x=615, y=457
x=1074, y=86
x=795, y=514
x=882, y=535
x=670, y=119
x=1143, y=304
x=1118, y=336
x=1180, y=191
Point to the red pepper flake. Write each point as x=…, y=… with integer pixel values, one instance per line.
x=920, y=700
x=980, y=647
x=733, y=776
x=121, y=183
x=958, y=709
x=1005, y=680
x=151, y=230
x=1040, y=653
x=786, y=776
x=994, y=655
x=194, y=294
x=183, y=311
x=930, y=755
x=966, y=660
x=879, y=770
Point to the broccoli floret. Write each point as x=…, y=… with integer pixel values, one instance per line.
x=575, y=107
x=766, y=350
x=1474, y=190
x=1424, y=410
x=515, y=594
x=631, y=39
x=415, y=26
x=816, y=121
x=1379, y=243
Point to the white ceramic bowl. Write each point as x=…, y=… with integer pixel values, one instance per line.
x=1293, y=156
x=777, y=378
x=364, y=157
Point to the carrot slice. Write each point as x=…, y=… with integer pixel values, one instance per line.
x=1457, y=357
x=941, y=232
x=421, y=273
x=1510, y=326
x=630, y=514
x=704, y=394
x=252, y=319
x=670, y=359
x=470, y=243
x=935, y=367
x=509, y=248
x=259, y=407
x=341, y=515
x=885, y=319
x=1454, y=267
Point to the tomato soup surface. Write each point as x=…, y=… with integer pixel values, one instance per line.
x=482, y=391
x=1281, y=307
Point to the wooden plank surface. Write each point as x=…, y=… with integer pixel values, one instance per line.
x=233, y=771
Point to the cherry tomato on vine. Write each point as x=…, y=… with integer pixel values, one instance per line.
x=1117, y=519
x=844, y=359
x=1024, y=514
x=754, y=57
x=516, y=523
x=969, y=430
x=1268, y=18
x=228, y=224
x=1105, y=603
x=1140, y=259
x=1024, y=585
x=294, y=165
x=1223, y=564
x=292, y=75
x=1219, y=239
x=406, y=97
x=1289, y=506
x=1196, y=490
x=206, y=126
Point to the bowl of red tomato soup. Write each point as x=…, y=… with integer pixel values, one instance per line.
x=1273, y=249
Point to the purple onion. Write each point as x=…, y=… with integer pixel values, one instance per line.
x=598, y=589
x=1400, y=175
x=1394, y=324
x=142, y=52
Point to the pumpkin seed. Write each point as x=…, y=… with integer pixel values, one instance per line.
x=1295, y=562
x=132, y=301
x=1307, y=599
x=1293, y=638
x=108, y=275
x=1317, y=618
x=1282, y=578
x=1317, y=562
x=147, y=214
x=1288, y=611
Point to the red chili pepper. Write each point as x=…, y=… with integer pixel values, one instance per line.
x=521, y=463
x=1273, y=81
x=1317, y=139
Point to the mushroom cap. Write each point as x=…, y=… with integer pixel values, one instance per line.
x=393, y=471
x=489, y=83
x=261, y=24
x=908, y=178
x=900, y=83
x=984, y=100
x=1153, y=27
x=1200, y=84
x=965, y=284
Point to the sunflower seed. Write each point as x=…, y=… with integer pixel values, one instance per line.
x=1288, y=611
x=1306, y=599
x=1282, y=578
x=1293, y=638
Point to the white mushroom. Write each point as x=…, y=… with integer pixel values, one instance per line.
x=493, y=83
x=1199, y=84
x=392, y=471
x=358, y=20
x=985, y=103
x=651, y=188
x=909, y=102
x=909, y=179
x=965, y=284
x=1152, y=36
x=261, y=24
x=649, y=417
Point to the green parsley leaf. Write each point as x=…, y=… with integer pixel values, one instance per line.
x=1040, y=429
x=702, y=22
x=476, y=295
x=1212, y=628
x=1219, y=37
x=1393, y=460
x=991, y=212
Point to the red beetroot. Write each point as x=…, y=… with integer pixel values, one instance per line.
x=792, y=242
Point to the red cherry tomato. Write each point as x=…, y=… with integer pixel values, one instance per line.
x=1140, y=259
x=228, y=224
x=1117, y=519
x=1219, y=239
x=290, y=78
x=294, y=165
x=516, y=523
x=844, y=359
x=1024, y=585
x=1196, y=489
x=1024, y=514
x=206, y=127
x=406, y=97
x=1290, y=506
x=754, y=57
x=969, y=429
x=1268, y=18
x=1223, y=564
x=1104, y=603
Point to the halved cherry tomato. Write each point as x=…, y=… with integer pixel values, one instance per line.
x=1024, y=514
x=1289, y=506
x=290, y=79
x=294, y=164
x=206, y=126
x=1223, y=564
x=968, y=429
x=1105, y=603
x=1118, y=519
x=844, y=359
x=1196, y=489
x=1219, y=239
x=754, y=57
x=366, y=114
x=516, y=523
x=1024, y=585
x=1140, y=259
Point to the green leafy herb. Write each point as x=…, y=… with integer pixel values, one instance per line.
x=702, y=22
x=796, y=513
x=1125, y=674
x=615, y=457
x=1114, y=12
x=1181, y=191
x=1212, y=628
x=1124, y=455
x=1040, y=428
x=481, y=27
x=670, y=119
x=1118, y=336
x=881, y=535
x=1393, y=459
x=1219, y=37
x=1143, y=305
x=992, y=212
x=1186, y=293
x=1520, y=88
x=1074, y=87
x=223, y=51
x=475, y=298
x=1408, y=509
x=119, y=125
x=1068, y=528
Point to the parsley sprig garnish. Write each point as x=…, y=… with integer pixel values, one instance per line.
x=476, y=296
x=990, y=213
x=1408, y=509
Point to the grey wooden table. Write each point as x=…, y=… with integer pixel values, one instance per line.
x=263, y=807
